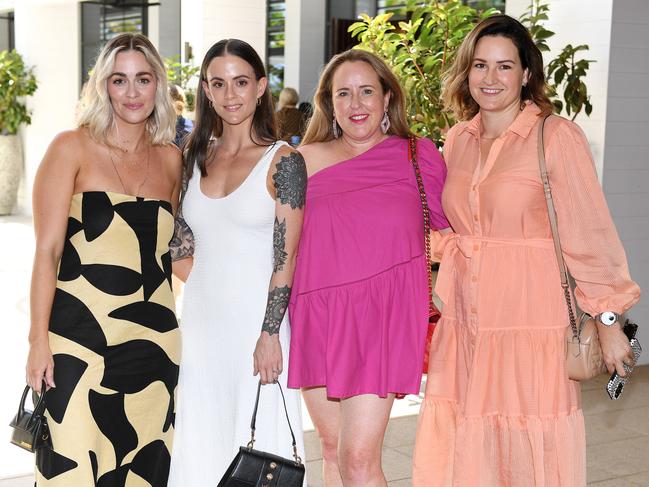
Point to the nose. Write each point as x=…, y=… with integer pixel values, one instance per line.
x=131, y=91
x=229, y=91
x=354, y=100
x=490, y=76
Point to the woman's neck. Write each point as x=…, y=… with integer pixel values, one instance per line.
x=128, y=137
x=236, y=137
x=356, y=147
x=495, y=123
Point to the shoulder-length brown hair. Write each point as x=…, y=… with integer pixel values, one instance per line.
x=456, y=95
x=320, y=125
x=208, y=124
x=97, y=111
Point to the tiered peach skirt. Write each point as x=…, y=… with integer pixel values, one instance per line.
x=499, y=409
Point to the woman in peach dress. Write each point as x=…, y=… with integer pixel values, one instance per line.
x=499, y=409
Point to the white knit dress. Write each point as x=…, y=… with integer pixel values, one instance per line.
x=223, y=310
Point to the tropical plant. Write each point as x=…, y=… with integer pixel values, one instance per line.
x=183, y=74
x=16, y=82
x=421, y=48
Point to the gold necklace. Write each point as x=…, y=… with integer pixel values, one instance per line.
x=146, y=171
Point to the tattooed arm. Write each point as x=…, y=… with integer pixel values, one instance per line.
x=182, y=242
x=288, y=185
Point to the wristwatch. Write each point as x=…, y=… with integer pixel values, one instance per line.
x=608, y=318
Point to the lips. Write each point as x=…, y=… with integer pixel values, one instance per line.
x=358, y=118
x=490, y=91
x=231, y=108
x=134, y=106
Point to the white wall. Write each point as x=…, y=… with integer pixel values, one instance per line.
x=205, y=22
x=626, y=166
x=47, y=35
x=304, y=50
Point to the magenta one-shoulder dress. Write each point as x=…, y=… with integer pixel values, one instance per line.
x=359, y=309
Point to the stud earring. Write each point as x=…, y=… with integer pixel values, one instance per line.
x=385, y=122
x=334, y=128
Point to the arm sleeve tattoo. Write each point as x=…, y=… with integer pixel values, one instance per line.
x=276, y=309
x=290, y=180
x=182, y=242
x=279, y=245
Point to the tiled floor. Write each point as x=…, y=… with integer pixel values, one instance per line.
x=618, y=440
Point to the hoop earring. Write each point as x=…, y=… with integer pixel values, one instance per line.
x=211, y=104
x=385, y=122
x=334, y=128
x=259, y=101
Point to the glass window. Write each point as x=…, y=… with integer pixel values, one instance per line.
x=275, y=35
x=7, y=37
x=100, y=22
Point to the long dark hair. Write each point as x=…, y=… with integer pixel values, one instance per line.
x=456, y=93
x=208, y=124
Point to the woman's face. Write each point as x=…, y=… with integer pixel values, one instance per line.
x=132, y=87
x=233, y=89
x=497, y=76
x=358, y=100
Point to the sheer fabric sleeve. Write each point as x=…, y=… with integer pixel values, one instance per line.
x=591, y=246
x=433, y=175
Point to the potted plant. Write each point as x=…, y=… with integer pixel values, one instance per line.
x=16, y=82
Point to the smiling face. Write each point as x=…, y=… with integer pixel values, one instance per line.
x=358, y=100
x=497, y=76
x=233, y=89
x=132, y=87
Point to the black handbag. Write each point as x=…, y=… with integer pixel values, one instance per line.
x=29, y=429
x=260, y=469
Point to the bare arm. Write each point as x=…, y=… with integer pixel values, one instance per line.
x=289, y=183
x=182, y=242
x=52, y=193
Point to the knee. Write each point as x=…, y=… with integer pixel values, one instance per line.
x=358, y=465
x=329, y=444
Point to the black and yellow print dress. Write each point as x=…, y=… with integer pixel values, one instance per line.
x=116, y=346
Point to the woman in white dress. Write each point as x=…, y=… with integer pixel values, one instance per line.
x=235, y=245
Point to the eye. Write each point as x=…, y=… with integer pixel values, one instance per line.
x=479, y=65
x=341, y=93
x=118, y=81
x=505, y=66
x=368, y=91
x=217, y=84
x=242, y=82
x=144, y=81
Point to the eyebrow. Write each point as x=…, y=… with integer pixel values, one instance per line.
x=141, y=73
x=498, y=62
x=361, y=86
x=216, y=78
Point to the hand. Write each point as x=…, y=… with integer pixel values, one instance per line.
x=267, y=358
x=40, y=365
x=615, y=347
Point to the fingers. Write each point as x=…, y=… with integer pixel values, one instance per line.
x=619, y=368
x=49, y=376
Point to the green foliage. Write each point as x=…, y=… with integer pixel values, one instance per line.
x=422, y=48
x=16, y=81
x=183, y=75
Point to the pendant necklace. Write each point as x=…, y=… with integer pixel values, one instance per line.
x=146, y=171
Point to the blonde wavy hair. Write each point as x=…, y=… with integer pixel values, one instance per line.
x=320, y=127
x=96, y=109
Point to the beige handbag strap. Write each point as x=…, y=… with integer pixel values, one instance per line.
x=552, y=214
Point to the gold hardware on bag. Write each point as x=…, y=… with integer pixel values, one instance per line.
x=273, y=465
x=25, y=444
x=269, y=476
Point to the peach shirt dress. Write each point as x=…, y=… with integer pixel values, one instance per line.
x=499, y=409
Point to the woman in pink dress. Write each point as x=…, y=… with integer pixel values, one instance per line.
x=359, y=307
x=499, y=409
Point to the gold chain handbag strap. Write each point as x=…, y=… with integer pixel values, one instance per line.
x=563, y=269
x=412, y=155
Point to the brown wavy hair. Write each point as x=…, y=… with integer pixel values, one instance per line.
x=208, y=124
x=320, y=125
x=456, y=95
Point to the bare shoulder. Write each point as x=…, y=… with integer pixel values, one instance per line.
x=67, y=149
x=170, y=157
x=287, y=152
x=314, y=150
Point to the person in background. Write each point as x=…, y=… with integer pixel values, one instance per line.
x=289, y=118
x=499, y=409
x=235, y=246
x=183, y=125
x=104, y=335
x=359, y=309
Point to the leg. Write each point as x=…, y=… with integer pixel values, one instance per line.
x=363, y=422
x=325, y=414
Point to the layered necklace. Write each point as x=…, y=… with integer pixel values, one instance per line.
x=123, y=160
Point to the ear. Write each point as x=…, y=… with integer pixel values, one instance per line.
x=206, y=90
x=386, y=100
x=526, y=76
x=261, y=86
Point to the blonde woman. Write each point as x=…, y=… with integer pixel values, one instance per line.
x=104, y=336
